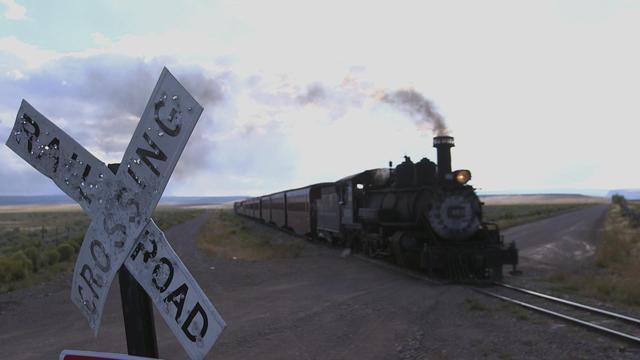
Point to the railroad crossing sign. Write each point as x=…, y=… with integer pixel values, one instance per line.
x=120, y=207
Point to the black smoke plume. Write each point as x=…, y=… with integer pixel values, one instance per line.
x=314, y=94
x=415, y=104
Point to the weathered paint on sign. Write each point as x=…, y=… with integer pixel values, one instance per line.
x=178, y=298
x=56, y=155
x=120, y=206
x=157, y=143
x=88, y=181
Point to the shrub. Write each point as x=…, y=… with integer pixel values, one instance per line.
x=75, y=244
x=65, y=252
x=19, y=265
x=17, y=270
x=33, y=254
x=617, y=199
x=613, y=249
x=52, y=256
x=5, y=276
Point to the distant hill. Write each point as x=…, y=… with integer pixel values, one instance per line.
x=35, y=200
x=167, y=200
x=631, y=194
x=199, y=200
x=554, y=191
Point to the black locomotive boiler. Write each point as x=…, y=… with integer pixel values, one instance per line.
x=420, y=215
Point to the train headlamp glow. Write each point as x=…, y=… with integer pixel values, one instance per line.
x=462, y=176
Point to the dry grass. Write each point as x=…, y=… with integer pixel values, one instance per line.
x=231, y=236
x=615, y=276
x=168, y=216
x=36, y=246
x=227, y=206
x=38, y=208
x=542, y=199
x=512, y=210
x=474, y=305
x=510, y=215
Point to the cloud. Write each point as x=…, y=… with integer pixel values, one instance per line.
x=259, y=130
x=31, y=181
x=18, y=178
x=13, y=10
x=98, y=100
x=101, y=40
x=25, y=54
x=525, y=107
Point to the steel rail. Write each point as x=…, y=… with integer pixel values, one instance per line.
x=624, y=336
x=589, y=325
x=572, y=303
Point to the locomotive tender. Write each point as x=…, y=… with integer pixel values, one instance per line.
x=420, y=215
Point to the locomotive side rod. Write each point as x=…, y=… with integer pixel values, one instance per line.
x=589, y=325
x=572, y=304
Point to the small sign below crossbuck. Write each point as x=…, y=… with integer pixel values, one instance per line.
x=92, y=355
x=120, y=207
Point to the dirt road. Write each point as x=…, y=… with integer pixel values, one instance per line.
x=316, y=306
x=561, y=242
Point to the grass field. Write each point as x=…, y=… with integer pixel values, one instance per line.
x=542, y=199
x=513, y=210
x=510, y=215
x=615, y=276
x=228, y=235
x=38, y=244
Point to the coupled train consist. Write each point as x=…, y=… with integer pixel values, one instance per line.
x=420, y=215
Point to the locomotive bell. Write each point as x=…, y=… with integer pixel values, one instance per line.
x=443, y=144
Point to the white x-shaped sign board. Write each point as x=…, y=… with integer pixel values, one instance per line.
x=120, y=207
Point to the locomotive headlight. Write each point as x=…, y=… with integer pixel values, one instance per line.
x=462, y=176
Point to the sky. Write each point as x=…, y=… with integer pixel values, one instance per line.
x=541, y=96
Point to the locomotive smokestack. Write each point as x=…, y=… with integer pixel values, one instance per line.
x=444, y=145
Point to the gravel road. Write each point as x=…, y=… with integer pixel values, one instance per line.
x=562, y=242
x=316, y=306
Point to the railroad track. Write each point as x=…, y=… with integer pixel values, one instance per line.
x=631, y=323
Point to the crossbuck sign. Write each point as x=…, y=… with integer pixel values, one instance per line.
x=120, y=207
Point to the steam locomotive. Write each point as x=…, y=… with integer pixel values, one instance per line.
x=420, y=215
